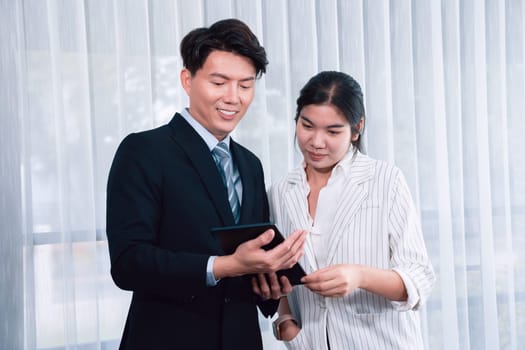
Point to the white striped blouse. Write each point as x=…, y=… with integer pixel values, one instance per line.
x=373, y=221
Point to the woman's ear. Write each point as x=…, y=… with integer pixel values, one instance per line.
x=357, y=130
x=361, y=125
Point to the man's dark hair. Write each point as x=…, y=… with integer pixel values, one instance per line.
x=230, y=35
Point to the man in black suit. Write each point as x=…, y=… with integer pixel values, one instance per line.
x=166, y=189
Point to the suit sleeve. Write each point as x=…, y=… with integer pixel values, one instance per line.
x=134, y=199
x=268, y=307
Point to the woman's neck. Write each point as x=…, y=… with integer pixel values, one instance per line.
x=317, y=179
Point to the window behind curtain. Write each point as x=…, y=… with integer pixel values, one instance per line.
x=444, y=90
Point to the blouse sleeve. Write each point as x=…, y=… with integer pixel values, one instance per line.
x=409, y=256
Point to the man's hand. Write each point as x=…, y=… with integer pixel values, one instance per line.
x=270, y=286
x=251, y=258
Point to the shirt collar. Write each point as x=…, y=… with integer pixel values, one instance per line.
x=341, y=168
x=345, y=164
x=207, y=136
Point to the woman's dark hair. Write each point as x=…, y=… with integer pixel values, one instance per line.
x=230, y=35
x=339, y=90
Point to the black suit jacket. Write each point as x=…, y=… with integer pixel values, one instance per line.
x=164, y=194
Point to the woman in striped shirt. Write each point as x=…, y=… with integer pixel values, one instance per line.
x=365, y=258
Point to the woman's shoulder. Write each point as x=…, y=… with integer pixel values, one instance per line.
x=379, y=167
x=294, y=176
x=291, y=179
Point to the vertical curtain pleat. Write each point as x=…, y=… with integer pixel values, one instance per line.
x=433, y=166
x=403, y=91
x=11, y=175
x=515, y=142
x=499, y=170
x=277, y=82
x=454, y=141
x=444, y=87
x=327, y=29
x=483, y=316
x=378, y=77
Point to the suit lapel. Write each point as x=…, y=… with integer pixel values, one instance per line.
x=200, y=157
x=297, y=205
x=355, y=191
x=247, y=177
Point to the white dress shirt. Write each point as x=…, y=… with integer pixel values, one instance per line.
x=327, y=202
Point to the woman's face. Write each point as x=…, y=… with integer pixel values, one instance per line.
x=324, y=136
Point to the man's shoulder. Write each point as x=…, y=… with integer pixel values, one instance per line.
x=148, y=136
x=157, y=133
x=145, y=140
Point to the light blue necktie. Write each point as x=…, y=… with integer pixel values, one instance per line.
x=224, y=163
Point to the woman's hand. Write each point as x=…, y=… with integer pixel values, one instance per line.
x=285, y=326
x=335, y=281
x=341, y=280
x=288, y=330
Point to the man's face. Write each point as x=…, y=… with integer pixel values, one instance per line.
x=221, y=91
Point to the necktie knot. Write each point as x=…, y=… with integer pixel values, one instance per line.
x=221, y=152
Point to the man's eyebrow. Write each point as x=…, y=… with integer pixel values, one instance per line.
x=305, y=118
x=225, y=77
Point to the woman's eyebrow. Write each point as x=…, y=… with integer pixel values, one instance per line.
x=305, y=118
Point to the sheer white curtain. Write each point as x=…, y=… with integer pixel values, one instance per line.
x=444, y=84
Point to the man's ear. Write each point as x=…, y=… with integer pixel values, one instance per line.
x=185, y=80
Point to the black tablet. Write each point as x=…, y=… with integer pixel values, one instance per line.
x=231, y=236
